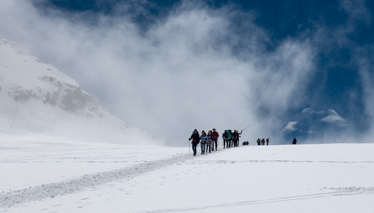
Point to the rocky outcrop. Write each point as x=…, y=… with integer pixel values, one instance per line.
x=45, y=84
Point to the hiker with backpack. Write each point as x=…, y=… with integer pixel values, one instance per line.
x=195, y=137
x=294, y=141
x=210, y=140
x=216, y=136
x=229, y=137
x=203, y=139
x=235, y=138
x=258, y=141
x=263, y=141
x=267, y=141
x=225, y=137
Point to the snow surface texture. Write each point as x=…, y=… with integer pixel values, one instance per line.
x=123, y=178
x=39, y=101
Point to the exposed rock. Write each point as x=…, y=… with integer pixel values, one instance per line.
x=20, y=94
x=66, y=96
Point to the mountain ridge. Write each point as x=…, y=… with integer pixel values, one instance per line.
x=39, y=99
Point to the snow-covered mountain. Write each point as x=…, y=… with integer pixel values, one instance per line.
x=38, y=102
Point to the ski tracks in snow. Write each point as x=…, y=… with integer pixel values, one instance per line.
x=344, y=191
x=52, y=190
x=278, y=161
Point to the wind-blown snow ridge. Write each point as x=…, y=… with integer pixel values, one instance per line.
x=87, y=181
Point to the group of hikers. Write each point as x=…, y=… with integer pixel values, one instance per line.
x=230, y=138
x=209, y=143
x=262, y=141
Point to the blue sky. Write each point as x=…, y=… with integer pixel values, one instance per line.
x=327, y=45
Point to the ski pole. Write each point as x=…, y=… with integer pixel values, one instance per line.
x=189, y=148
x=246, y=127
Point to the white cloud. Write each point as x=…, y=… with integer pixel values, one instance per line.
x=334, y=118
x=357, y=10
x=309, y=110
x=290, y=126
x=178, y=76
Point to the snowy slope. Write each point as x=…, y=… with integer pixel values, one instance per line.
x=38, y=102
x=122, y=178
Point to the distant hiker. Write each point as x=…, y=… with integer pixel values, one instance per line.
x=294, y=141
x=235, y=138
x=267, y=141
x=258, y=141
x=239, y=135
x=209, y=142
x=225, y=137
x=195, y=140
x=263, y=141
x=216, y=136
x=203, y=139
x=229, y=133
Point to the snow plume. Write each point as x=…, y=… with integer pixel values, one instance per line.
x=194, y=68
x=290, y=126
x=366, y=67
x=309, y=110
x=334, y=118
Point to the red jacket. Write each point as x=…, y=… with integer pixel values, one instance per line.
x=215, y=134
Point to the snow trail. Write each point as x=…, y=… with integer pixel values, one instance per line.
x=52, y=190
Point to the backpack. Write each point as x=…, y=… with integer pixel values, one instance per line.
x=229, y=135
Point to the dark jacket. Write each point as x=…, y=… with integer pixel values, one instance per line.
x=225, y=135
x=195, y=137
x=211, y=137
x=235, y=136
x=294, y=141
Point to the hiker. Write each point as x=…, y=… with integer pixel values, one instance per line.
x=229, y=133
x=195, y=140
x=203, y=139
x=258, y=141
x=216, y=136
x=294, y=141
x=267, y=141
x=225, y=137
x=235, y=138
x=239, y=135
x=209, y=142
x=263, y=141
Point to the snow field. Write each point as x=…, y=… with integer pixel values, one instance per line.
x=34, y=164
x=287, y=178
